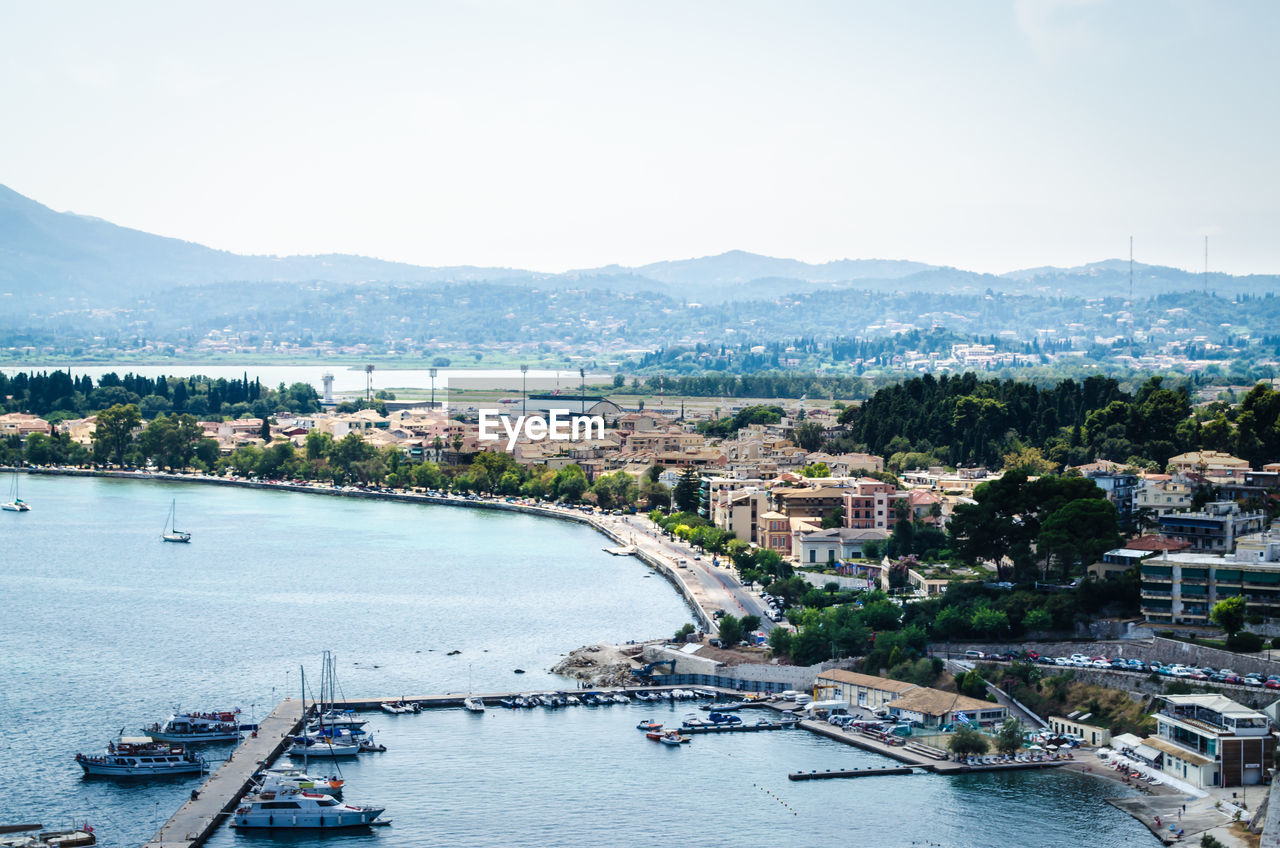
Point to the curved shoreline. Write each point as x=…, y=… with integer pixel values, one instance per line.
x=665, y=569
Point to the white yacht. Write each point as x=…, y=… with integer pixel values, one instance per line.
x=200, y=727
x=323, y=746
x=302, y=809
x=297, y=780
x=473, y=703
x=139, y=756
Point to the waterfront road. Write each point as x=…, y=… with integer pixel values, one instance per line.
x=716, y=584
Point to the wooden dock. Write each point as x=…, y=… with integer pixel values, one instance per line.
x=210, y=805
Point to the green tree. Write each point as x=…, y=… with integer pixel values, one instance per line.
x=1037, y=619
x=569, y=483
x=1009, y=738
x=687, y=490
x=750, y=623
x=730, y=631
x=1229, y=614
x=972, y=684
x=1081, y=531
x=113, y=432
x=833, y=519
x=684, y=631
x=967, y=740
x=808, y=436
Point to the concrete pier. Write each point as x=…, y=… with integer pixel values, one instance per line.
x=830, y=774
x=903, y=753
x=217, y=797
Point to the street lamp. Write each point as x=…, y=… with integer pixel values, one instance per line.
x=432, y=372
x=524, y=374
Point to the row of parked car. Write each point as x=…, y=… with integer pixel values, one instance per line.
x=1187, y=672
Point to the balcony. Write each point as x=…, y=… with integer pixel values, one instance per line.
x=1156, y=593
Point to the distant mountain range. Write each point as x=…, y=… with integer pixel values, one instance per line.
x=60, y=255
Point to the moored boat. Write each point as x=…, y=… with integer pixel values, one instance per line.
x=299, y=780
x=473, y=704
x=140, y=756
x=223, y=726
x=673, y=738
x=21, y=836
x=302, y=809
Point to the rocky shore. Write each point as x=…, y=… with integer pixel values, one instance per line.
x=601, y=665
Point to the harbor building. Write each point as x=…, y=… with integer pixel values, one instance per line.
x=1210, y=740
x=933, y=708
x=859, y=690
x=1078, y=724
x=1181, y=588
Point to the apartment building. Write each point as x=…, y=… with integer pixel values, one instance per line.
x=1181, y=588
x=1214, y=529
x=869, y=504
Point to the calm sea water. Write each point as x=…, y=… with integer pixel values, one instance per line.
x=104, y=627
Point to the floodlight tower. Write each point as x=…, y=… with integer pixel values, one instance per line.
x=327, y=379
x=432, y=372
x=582, y=375
x=368, y=382
x=524, y=374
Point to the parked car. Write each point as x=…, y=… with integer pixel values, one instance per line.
x=1272, y=684
x=1252, y=681
x=1232, y=678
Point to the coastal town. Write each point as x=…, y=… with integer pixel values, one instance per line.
x=836, y=584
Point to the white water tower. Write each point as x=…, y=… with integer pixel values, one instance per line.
x=327, y=378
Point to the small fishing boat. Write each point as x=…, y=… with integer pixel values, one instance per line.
x=673, y=738
x=649, y=724
x=302, y=809
x=140, y=756
x=655, y=735
x=473, y=704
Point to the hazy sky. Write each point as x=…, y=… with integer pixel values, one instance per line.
x=557, y=135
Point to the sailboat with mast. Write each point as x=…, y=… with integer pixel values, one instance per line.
x=327, y=739
x=171, y=532
x=15, y=503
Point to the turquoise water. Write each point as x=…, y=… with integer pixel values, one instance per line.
x=106, y=627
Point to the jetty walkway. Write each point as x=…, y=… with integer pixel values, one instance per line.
x=217, y=797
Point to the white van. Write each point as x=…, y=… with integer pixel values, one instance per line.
x=973, y=655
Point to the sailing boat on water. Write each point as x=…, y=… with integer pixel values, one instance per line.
x=171, y=532
x=15, y=503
